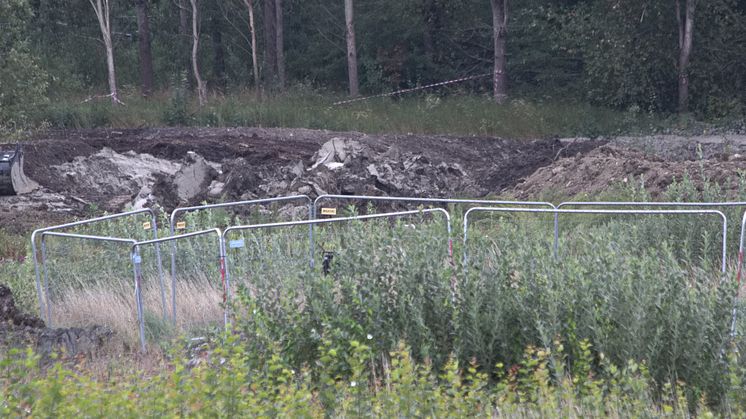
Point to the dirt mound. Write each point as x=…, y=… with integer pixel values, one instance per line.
x=605, y=166
x=121, y=169
x=117, y=170
x=109, y=179
x=9, y=312
x=402, y=166
x=20, y=330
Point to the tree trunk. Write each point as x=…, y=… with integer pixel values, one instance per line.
x=252, y=29
x=221, y=82
x=270, y=43
x=280, y=40
x=686, y=35
x=201, y=90
x=145, y=55
x=431, y=20
x=102, y=9
x=184, y=37
x=499, y=34
x=184, y=19
x=351, y=49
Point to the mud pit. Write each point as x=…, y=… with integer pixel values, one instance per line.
x=85, y=171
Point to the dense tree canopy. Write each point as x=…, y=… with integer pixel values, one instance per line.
x=620, y=54
x=22, y=82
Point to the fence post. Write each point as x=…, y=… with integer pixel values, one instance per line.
x=154, y=223
x=46, y=280
x=225, y=278
x=136, y=262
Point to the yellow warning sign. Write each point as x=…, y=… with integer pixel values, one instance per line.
x=146, y=226
x=328, y=211
x=181, y=225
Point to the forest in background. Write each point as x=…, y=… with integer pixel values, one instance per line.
x=631, y=55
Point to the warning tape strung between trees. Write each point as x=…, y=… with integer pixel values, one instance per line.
x=414, y=89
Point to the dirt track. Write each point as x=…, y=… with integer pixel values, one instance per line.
x=84, y=171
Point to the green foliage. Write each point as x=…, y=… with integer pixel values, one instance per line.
x=629, y=54
x=644, y=294
x=229, y=385
x=630, y=303
x=596, y=51
x=15, y=270
x=176, y=110
x=306, y=108
x=23, y=83
x=604, y=32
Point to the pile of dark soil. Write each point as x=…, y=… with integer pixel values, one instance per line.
x=85, y=171
x=20, y=330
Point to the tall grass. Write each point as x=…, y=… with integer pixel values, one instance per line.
x=304, y=108
x=198, y=306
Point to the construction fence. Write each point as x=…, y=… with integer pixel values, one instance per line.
x=110, y=270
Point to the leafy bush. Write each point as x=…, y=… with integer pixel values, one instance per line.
x=176, y=111
x=229, y=384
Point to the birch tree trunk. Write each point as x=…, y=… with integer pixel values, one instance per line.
x=201, y=90
x=499, y=35
x=143, y=41
x=351, y=49
x=685, y=20
x=252, y=29
x=280, y=41
x=102, y=9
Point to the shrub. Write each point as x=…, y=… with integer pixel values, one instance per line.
x=228, y=385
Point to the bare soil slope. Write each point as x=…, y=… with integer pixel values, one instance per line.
x=114, y=169
x=82, y=172
x=592, y=173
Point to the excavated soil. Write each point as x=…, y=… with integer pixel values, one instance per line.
x=84, y=172
x=593, y=173
x=20, y=330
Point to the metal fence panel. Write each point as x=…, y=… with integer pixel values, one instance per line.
x=241, y=243
x=216, y=265
x=106, y=299
x=415, y=200
x=173, y=225
x=685, y=205
x=153, y=226
x=558, y=212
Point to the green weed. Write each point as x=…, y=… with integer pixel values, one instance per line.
x=304, y=108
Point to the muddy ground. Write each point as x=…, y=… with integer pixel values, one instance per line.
x=84, y=172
